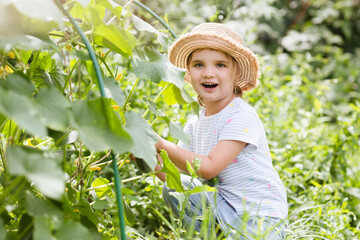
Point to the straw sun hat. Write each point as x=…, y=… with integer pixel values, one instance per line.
x=218, y=37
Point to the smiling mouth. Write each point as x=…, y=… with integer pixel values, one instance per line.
x=209, y=85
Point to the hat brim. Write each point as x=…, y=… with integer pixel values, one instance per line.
x=247, y=60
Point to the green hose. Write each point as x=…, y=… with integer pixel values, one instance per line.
x=102, y=92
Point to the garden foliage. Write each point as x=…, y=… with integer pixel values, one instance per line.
x=57, y=131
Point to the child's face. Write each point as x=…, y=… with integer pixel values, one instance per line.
x=212, y=76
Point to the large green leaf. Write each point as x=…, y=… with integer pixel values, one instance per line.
x=18, y=83
x=46, y=11
x=39, y=207
x=71, y=230
x=173, y=179
x=154, y=66
x=141, y=25
x=111, y=36
x=143, y=137
x=23, y=110
x=26, y=23
x=99, y=127
x=113, y=90
x=48, y=109
x=53, y=109
x=42, y=228
x=41, y=168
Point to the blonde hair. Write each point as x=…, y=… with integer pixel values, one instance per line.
x=236, y=75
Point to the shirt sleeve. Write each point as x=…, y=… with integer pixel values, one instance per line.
x=242, y=126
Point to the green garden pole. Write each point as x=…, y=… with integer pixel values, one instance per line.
x=102, y=92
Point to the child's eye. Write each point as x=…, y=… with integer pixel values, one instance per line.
x=197, y=65
x=221, y=65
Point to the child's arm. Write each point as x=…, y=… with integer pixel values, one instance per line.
x=211, y=165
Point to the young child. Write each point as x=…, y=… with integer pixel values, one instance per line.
x=228, y=137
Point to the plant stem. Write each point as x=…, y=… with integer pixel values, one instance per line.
x=155, y=99
x=157, y=17
x=102, y=92
x=130, y=94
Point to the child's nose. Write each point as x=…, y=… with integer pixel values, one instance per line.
x=208, y=72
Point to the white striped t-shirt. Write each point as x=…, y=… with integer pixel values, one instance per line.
x=250, y=183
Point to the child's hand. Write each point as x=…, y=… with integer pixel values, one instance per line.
x=159, y=144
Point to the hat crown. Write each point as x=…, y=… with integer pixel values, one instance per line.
x=218, y=29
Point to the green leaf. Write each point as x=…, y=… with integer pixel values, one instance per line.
x=175, y=95
x=2, y=230
x=203, y=188
x=111, y=36
x=86, y=210
x=177, y=131
x=154, y=109
x=2, y=119
x=26, y=23
x=18, y=83
x=102, y=191
x=39, y=207
x=130, y=217
x=41, y=168
x=53, y=108
x=173, y=179
x=143, y=137
x=46, y=11
x=23, y=111
x=42, y=228
x=100, y=205
x=113, y=90
x=141, y=25
x=155, y=67
x=99, y=127
x=71, y=230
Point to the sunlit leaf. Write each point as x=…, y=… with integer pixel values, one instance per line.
x=98, y=126
x=173, y=179
x=26, y=23
x=175, y=95
x=202, y=188
x=84, y=3
x=112, y=37
x=143, y=137
x=41, y=168
x=102, y=187
x=47, y=11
